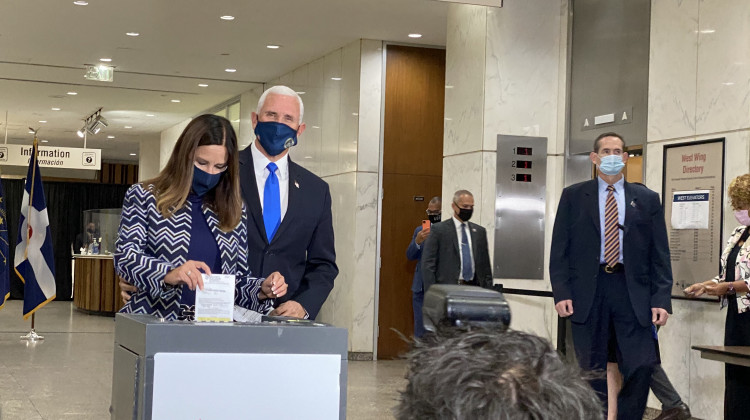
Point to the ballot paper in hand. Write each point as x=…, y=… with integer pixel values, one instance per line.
x=215, y=303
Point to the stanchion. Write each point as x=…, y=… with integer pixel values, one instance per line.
x=32, y=335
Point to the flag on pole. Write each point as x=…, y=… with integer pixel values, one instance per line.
x=4, y=249
x=34, y=260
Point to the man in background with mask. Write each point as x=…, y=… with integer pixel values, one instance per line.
x=610, y=270
x=456, y=250
x=414, y=253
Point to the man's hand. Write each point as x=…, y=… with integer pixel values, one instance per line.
x=126, y=290
x=422, y=236
x=659, y=316
x=274, y=286
x=289, y=308
x=564, y=308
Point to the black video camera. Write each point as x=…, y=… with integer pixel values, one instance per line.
x=449, y=305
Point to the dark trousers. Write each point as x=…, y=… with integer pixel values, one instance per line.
x=417, y=299
x=636, y=350
x=663, y=389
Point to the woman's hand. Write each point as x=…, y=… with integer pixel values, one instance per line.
x=695, y=290
x=274, y=286
x=189, y=274
x=719, y=289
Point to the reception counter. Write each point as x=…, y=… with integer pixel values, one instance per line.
x=96, y=288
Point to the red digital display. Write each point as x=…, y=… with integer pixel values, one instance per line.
x=523, y=164
x=524, y=151
x=522, y=177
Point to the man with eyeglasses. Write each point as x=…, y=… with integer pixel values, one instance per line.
x=456, y=250
x=610, y=270
x=414, y=253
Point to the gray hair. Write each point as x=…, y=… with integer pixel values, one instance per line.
x=485, y=374
x=435, y=200
x=459, y=193
x=284, y=91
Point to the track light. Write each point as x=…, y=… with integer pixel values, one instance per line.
x=93, y=124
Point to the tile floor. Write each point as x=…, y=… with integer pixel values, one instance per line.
x=68, y=375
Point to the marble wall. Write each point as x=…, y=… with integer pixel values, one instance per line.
x=344, y=149
x=149, y=151
x=505, y=74
x=699, y=88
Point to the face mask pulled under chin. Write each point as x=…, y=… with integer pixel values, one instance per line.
x=611, y=164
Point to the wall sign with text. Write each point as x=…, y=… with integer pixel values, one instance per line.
x=51, y=157
x=692, y=191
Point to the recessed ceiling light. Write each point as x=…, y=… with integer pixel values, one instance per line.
x=106, y=60
x=132, y=33
x=230, y=70
x=31, y=132
x=72, y=93
x=335, y=78
x=273, y=47
x=301, y=93
x=152, y=115
x=45, y=141
x=110, y=137
x=707, y=31
x=202, y=85
x=55, y=109
x=175, y=101
x=227, y=17
x=128, y=126
x=133, y=154
x=415, y=35
x=42, y=121
x=728, y=83
x=81, y=3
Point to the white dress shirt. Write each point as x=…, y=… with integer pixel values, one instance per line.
x=260, y=161
x=458, y=224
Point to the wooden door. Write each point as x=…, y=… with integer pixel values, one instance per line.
x=412, y=175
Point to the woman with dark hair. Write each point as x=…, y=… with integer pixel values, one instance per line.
x=189, y=220
x=731, y=285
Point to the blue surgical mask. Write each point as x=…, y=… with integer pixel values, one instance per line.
x=204, y=182
x=611, y=165
x=275, y=137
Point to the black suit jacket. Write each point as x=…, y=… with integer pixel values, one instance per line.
x=441, y=258
x=302, y=249
x=576, y=246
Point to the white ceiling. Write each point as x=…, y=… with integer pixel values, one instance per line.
x=44, y=45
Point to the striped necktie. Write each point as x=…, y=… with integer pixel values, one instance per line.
x=611, y=229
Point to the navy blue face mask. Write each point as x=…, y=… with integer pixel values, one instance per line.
x=275, y=137
x=204, y=182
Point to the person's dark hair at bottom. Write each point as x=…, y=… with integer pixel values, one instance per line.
x=488, y=374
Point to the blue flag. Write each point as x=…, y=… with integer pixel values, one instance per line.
x=34, y=260
x=4, y=248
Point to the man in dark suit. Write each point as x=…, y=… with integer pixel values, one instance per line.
x=414, y=253
x=456, y=251
x=610, y=270
x=290, y=227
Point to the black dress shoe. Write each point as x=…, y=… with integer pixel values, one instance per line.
x=681, y=412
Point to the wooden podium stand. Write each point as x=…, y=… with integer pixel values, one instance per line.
x=96, y=288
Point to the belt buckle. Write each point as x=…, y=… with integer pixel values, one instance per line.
x=608, y=269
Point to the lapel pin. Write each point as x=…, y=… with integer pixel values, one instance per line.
x=296, y=184
x=632, y=204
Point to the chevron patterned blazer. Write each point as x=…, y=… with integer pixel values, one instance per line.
x=149, y=246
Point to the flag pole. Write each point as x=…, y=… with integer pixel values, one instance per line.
x=32, y=335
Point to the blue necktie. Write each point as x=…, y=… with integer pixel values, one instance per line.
x=466, y=271
x=271, y=202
